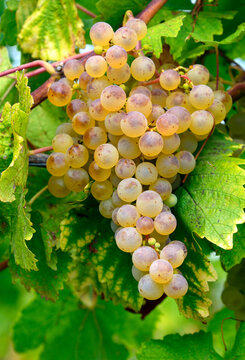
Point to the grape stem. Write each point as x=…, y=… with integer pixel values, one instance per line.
x=86, y=11
x=151, y=9
x=4, y=265
x=217, y=66
x=40, y=150
x=145, y=83
x=148, y=306
x=39, y=193
x=237, y=91
x=188, y=80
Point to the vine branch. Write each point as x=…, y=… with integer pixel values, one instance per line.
x=86, y=11
x=237, y=91
x=3, y=265
x=151, y=9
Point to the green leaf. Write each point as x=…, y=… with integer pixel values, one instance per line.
x=205, y=29
x=230, y=258
x=211, y=201
x=25, y=9
x=238, y=351
x=155, y=33
x=52, y=31
x=234, y=37
x=8, y=28
x=6, y=84
x=176, y=347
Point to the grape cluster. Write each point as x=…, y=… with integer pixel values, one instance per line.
x=134, y=140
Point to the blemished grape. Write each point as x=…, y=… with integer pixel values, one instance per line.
x=199, y=74
x=149, y=289
x=94, y=137
x=167, y=165
x=175, y=252
x=138, y=26
x=101, y=190
x=225, y=98
x=157, y=111
x=73, y=69
x=96, y=66
x=114, y=217
x=218, y=110
x=161, y=271
x=141, y=90
x=142, y=68
x=171, y=201
x=177, y=287
x=162, y=187
x=201, y=122
x=116, y=199
x=129, y=189
x=151, y=143
x=145, y=225
x=84, y=79
x=116, y=56
x=134, y=124
x=75, y=106
x=113, y=98
x=149, y=203
x=97, y=111
x=60, y=92
x=165, y=223
x=167, y=124
x=66, y=128
x=119, y=76
x=113, y=123
x=143, y=257
x=187, y=162
x=183, y=116
x=201, y=97
x=128, y=239
x=126, y=38
x=158, y=97
x=78, y=156
x=128, y=147
x=125, y=168
x=101, y=33
x=137, y=274
x=106, y=208
x=96, y=86
x=114, y=179
x=127, y=216
x=57, y=164
x=139, y=102
x=170, y=144
x=106, y=156
x=188, y=142
x=97, y=173
x=62, y=142
x=76, y=179
x=169, y=79
x=177, y=98
x=146, y=173
x=57, y=188
x=81, y=122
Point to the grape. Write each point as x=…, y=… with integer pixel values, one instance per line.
x=170, y=144
x=127, y=215
x=125, y=168
x=141, y=90
x=66, y=128
x=114, y=179
x=161, y=271
x=114, y=139
x=176, y=183
x=149, y=289
x=128, y=239
x=60, y=92
x=201, y=97
x=84, y=80
x=97, y=111
x=73, y=69
x=114, y=217
x=96, y=66
x=183, y=116
x=225, y=98
x=113, y=121
x=116, y=199
x=57, y=164
x=101, y=33
x=167, y=124
x=162, y=187
x=106, y=156
x=138, y=26
x=143, y=257
x=171, y=201
x=161, y=239
x=57, y=188
x=165, y=223
x=106, y=208
x=97, y=173
x=128, y=147
x=76, y=179
x=187, y=162
x=158, y=97
x=145, y=225
x=126, y=38
x=167, y=165
x=75, y=106
x=175, y=252
x=113, y=98
x=149, y=203
x=199, y=74
x=129, y=189
x=169, y=79
x=146, y=173
x=116, y=56
x=157, y=111
x=78, y=156
x=142, y=68
x=114, y=227
x=218, y=110
x=177, y=287
x=101, y=190
x=62, y=142
x=81, y=122
x=151, y=143
x=176, y=98
x=201, y=122
x=94, y=137
x=119, y=76
x=134, y=124
x=139, y=102
x=137, y=274
x=96, y=86
x=188, y=142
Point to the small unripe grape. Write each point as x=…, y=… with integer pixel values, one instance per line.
x=162, y=187
x=106, y=156
x=96, y=86
x=199, y=74
x=119, y=76
x=125, y=168
x=57, y=164
x=139, y=26
x=73, y=69
x=129, y=189
x=167, y=124
x=151, y=143
x=113, y=123
x=169, y=79
x=66, y=128
x=183, y=116
x=128, y=147
x=76, y=179
x=161, y=271
x=97, y=111
x=106, y=208
x=57, y=188
x=81, y=122
x=60, y=92
x=75, y=106
x=96, y=66
x=177, y=287
x=101, y=190
x=142, y=68
x=167, y=165
x=143, y=257
x=116, y=56
x=113, y=98
x=126, y=38
x=62, y=142
x=170, y=144
x=201, y=97
x=137, y=274
x=139, y=102
x=84, y=79
x=127, y=215
x=94, y=137
x=201, y=122
x=149, y=289
x=145, y=225
x=187, y=162
x=175, y=252
x=128, y=239
x=101, y=33
x=146, y=173
x=188, y=142
x=165, y=223
x=149, y=203
x=98, y=50
x=78, y=156
x=97, y=173
x=225, y=98
x=134, y=124
x=158, y=97
x=171, y=201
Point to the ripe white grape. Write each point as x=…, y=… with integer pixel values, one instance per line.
x=149, y=289
x=113, y=121
x=167, y=124
x=96, y=66
x=138, y=26
x=128, y=239
x=96, y=86
x=57, y=188
x=175, y=252
x=75, y=106
x=158, y=97
x=146, y=173
x=143, y=257
x=101, y=33
x=139, y=102
x=129, y=189
x=106, y=156
x=84, y=79
x=188, y=142
x=187, y=162
x=151, y=143
x=81, y=122
x=134, y=124
x=126, y=38
x=199, y=74
x=114, y=217
x=128, y=147
x=62, y=142
x=73, y=69
x=114, y=227
x=149, y=203
x=165, y=223
x=177, y=287
x=177, y=98
x=101, y=190
x=113, y=98
x=106, y=208
x=119, y=76
x=218, y=110
x=116, y=56
x=161, y=271
x=225, y=98
x=78, y=155
x=183, y=116
x=202, y=122
x=157, y=111
x=142, y=68
x=76, y=179
x=114, y=179
x=116, y=199
x=201, y=97
x=170, y=144
x=145, y=225
x=162, y=187
x=125, y=168
x=66, y=128
x=167, y=165
x=169, y=79
x=97, y=111
x=137, y=274
x=141, y=90
x=127, y=215
x=97, y=173
x=57, y=164
x=94, y=137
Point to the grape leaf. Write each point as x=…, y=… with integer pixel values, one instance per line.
x=211, y=201
x=238, y=351
x=25, y=8
x=205, y=29
x=8, y=28
x=6, y=84
x=52, y=37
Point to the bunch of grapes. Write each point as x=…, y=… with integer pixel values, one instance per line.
x=133, y=132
